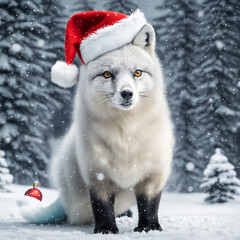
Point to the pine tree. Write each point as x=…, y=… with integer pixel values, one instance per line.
x=82, y=6
x=216, y=73
x=177, y=32
x=126, y=6
x=55, y=18
x=220, y=180
x=26, y=102
x=6, y=178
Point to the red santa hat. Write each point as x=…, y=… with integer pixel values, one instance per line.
x=92, y=34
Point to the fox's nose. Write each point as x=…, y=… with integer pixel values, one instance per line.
x=127, y=94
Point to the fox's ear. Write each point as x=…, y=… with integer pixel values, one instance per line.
x=146, y=38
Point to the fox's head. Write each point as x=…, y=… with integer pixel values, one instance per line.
x=125, y=77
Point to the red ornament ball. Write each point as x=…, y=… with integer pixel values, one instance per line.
x=34, y=192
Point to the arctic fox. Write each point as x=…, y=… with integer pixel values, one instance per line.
x=118, y=150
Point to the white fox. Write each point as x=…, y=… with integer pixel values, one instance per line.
x=118, y=149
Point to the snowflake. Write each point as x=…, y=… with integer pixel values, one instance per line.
x=16, y=48
x=219, y=44
x=200, y=13
x=7, y=139
x=210, y=100
x=190, y=189
x=100, y=176
x=190, y=166
x=40, y=42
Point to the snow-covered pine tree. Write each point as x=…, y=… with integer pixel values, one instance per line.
x=177, y=32
x=26, y=102
x=126, y=6
x=55, y=19
x=220, y=180
x=215, y=70
x=82, y=6
x=6, y=178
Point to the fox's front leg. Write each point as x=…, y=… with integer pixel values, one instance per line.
x=102, y=200
x=148, y=195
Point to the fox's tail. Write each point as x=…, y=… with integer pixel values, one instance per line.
x=51, y=214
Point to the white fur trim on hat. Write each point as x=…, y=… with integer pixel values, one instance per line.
x=112, y=37
x=64, y=75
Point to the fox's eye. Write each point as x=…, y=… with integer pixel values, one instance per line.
x=137, y=73
x=107, y=74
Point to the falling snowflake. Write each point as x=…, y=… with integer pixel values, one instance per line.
x=100, y=176
x=190, y=189
x=16, y=48
x=200, y=13
x=219, y=44
x=190, y=166
x=40, y=42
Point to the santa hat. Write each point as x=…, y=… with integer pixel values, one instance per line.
x=92, y=34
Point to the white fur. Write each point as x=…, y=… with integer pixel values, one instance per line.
x=112, y=37
x=64, y=75
x=129, y=147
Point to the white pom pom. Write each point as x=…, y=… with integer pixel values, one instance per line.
x=64, y=75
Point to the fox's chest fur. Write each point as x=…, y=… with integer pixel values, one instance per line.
x=124, y=149
x=121, y=153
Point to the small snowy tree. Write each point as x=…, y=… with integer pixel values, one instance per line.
x=220, y=179
x=6, y=178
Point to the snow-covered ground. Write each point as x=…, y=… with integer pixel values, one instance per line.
x=182, y=216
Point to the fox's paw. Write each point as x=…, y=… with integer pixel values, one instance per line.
x=148, y=227
x=106, y=229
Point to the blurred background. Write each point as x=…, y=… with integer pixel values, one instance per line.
x=198, y=43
